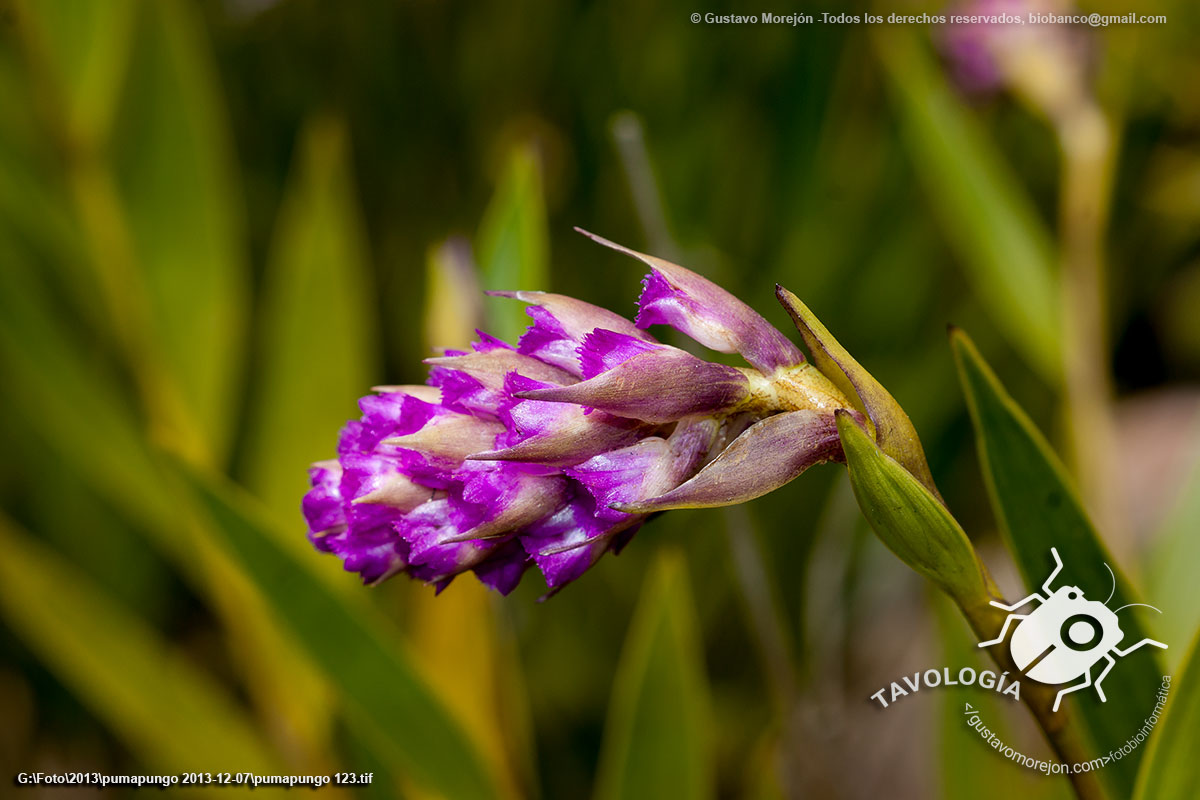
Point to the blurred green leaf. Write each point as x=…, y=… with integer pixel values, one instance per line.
x=453, y=298
x=987, y=217
x=909, y=519
x=318, y=332
x=358, y=650
x=85, y=48
x=1171, y=575
x=50, y=370
x=172, y=715
x=174, y=167
x=32, y=201
x=1170, y=768
x=514, y=246
x=461, y=640
x=1037, y=509
x=657, y=739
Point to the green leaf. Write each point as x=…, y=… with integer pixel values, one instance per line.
x=174, y=164
x=909, y=519
x=453, y=297
x=85, y=48
x=359, y=651
x=48, y=372
x=656, y=741
x=1171, y=574
x=171, y=714
x=1037, y=509
x=989, y=220
x=1170, y=767
x=317, y=330
x=513, y=243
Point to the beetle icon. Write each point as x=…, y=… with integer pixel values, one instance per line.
x=1064, y=637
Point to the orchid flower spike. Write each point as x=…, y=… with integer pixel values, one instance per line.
x=554, y=451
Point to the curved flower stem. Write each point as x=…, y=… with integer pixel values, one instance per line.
x=1057, y=726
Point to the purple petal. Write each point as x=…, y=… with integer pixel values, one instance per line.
x=647, y=469
x=603, y=349
x=560, y=324
x=433, y=544
x=565, y=544
x=322, y=506
x=498, y=498
x=696, y=306
x=620, y=476
x=556, y=434
x=375, y=553
x=769, y=454
x=465, y=394
x=490, y=368
x=661, y=385
x=502, y=570
x=389, y=414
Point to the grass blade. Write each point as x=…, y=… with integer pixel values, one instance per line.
x=988, y=219
x=514, y=247
x=358, y=650
x=174, y=166
x=318, y=330
x=1171, y=574
x=171, y=714
x=1170, y=767
x=656, y=742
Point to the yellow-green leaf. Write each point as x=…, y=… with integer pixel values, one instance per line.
x=318, y=332
x=987, y=217
x=174, y=167
x=1170, y=768
x=84, y=48
x=361, y=653
x=513, y=243
x=172, y=715
x=657, y=739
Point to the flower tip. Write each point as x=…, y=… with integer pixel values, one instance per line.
x=791, y=303
x=524, y=295
x=845, y=416
x=620, y=248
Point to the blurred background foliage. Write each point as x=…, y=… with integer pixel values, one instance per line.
x=221, y=222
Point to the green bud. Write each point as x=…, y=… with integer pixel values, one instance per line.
x=910, y=520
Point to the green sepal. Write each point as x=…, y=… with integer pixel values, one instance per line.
x=909, y=519
x=894, y=431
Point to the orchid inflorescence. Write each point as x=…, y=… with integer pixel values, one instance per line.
x=555, y=451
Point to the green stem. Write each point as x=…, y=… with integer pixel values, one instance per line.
x=1057, y=726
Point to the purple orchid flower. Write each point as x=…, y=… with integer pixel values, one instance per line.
x=555, y=451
